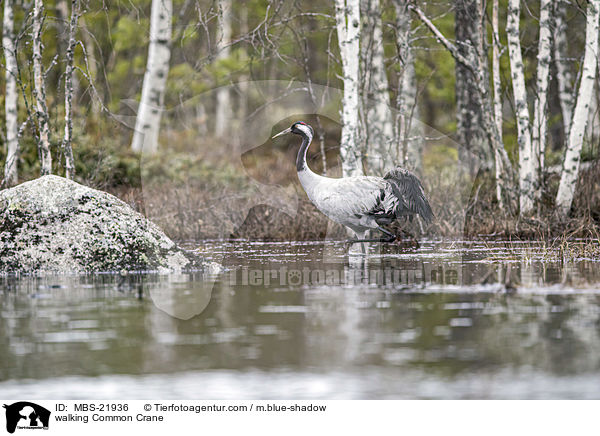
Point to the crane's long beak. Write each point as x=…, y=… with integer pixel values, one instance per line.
x=288, y=130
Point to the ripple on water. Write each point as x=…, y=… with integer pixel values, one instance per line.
x=446, y=326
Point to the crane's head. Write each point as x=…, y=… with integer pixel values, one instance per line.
x=298, y=128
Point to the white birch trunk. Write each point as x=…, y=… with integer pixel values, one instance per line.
x=540, y=120
x=347, y=14
x=496, y=67
x=526, y=167
x=505, y=172
x=592, y=128
x=570, y=172
x=147, y=123
x=11, y=173
x=68, y=138
x=40, y=90
x=376, y=100
x=63, y=22
x=505, y=176
x=564, y=77
x=409, y=135
x=223, y=112
x=497, y=96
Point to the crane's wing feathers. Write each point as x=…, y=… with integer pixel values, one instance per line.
x=410, y=193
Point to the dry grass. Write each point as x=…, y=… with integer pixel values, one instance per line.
x=202, y=207
x=560, y=249
x=198, y=212
x=191, y=214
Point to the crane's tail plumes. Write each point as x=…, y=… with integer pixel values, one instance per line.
x=408, y=189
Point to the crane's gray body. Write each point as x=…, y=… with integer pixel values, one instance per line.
x=361, y=203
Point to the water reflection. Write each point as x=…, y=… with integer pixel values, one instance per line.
x=442, y=321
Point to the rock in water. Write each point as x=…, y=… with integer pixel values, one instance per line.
x=55, y=225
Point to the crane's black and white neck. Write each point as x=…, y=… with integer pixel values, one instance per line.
x=307, y=133
x=361, y=203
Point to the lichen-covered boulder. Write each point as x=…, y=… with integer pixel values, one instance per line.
x=55, y=225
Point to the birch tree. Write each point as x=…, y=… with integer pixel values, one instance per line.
x=61, y=9
x=409, y=135
x=223, y=113
x=564, y=77
x=592, y=128
x=376, y=100
x=469, y=109
x=91, y=64
x=243, y=89
x=347, y=14
x=540, y=109
x=68, y=137
x=147, y=123
x=570, y=171
x=526, y=167
x=39, y=90
x=497, y=92
x=11, y=174
x=478, y=66
x=505, y=175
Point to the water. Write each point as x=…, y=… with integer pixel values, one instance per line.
x=305, y=320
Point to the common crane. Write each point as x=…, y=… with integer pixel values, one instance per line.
x=361, y=203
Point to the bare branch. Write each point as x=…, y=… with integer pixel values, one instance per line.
x=442, y=39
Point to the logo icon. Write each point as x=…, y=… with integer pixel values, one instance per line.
x=26, y=415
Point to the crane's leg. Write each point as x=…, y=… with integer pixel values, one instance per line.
x=361, y=237
x=364, y=246
x=390, y=237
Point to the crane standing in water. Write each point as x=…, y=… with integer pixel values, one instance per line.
x=361, y=203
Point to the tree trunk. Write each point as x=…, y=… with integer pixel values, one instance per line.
x=91, y=65
x=504, y=169
x=40, y=90
x=480, y=71
x=63, y=23
x=11, y=173
x=469, y=117
x=540, y=120
x=592, y=129
x=412, y=131
x=68, y=138
x=526, y=158
x=223, y=113
x=497, y=94
x=347, y=14
x=570, y=172
x=241, y=104
x=60, y=23
x=147, y=123
x=409, y=135
x=378, y=126
x=564, y=77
